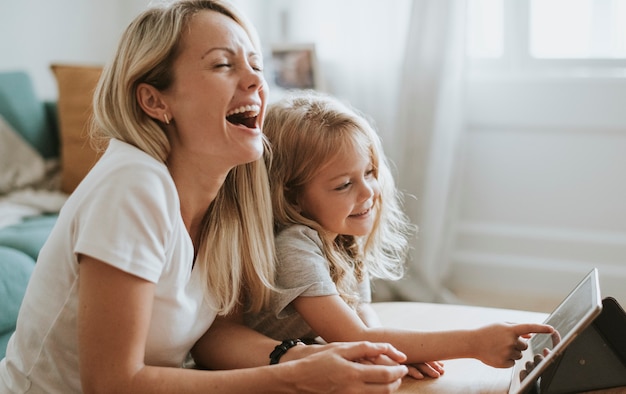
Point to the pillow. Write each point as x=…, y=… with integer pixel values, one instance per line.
x=15, y=271
x=21, y=164
x=76, y=85
x=28, y=115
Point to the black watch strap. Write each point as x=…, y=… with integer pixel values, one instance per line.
x=281, y=349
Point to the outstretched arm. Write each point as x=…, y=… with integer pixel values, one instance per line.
x=498, y=345
x=432, y=369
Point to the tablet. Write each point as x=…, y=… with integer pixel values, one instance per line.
x=570, y=318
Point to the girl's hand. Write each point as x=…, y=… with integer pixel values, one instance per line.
x=432, y=369
x=499, y=345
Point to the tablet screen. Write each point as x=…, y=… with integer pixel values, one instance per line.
x=575, y=313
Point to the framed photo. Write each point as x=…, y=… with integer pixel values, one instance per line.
x=294, y=66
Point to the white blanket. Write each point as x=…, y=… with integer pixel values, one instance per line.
x=24, y=203
x=29, y=185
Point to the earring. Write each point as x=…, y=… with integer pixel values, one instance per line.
x=167, y=121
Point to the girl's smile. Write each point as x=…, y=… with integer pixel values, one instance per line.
x=361, y=214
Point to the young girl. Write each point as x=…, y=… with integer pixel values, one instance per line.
x=338, y=222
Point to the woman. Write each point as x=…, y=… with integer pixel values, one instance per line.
x=166, y=229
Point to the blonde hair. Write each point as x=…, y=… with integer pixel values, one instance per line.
x=307, y=129
x=236, y=251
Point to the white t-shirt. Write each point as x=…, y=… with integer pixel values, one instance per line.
x=126, y=212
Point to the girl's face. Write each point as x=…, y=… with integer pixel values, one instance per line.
x=217, y=98
x=341, y=196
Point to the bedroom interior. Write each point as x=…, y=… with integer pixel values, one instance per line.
x=512, y=163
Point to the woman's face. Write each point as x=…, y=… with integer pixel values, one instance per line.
x=217, y=99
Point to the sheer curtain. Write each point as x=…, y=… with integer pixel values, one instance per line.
x=401, y=63
x=428, y=139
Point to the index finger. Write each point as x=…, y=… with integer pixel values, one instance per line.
x=360, y=350
x=533, y=328
x=380, y=374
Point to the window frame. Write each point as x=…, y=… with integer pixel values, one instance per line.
x=517, y=60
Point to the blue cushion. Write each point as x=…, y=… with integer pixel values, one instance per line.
x=4, y=340
x=15, y=270
x=27, y=114
x=29, y=235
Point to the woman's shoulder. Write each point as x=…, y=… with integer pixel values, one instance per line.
x=127, y=165
x=124, y=154
x=125, y=174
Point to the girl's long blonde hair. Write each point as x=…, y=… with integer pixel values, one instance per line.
x=306, y=129
x=236, y=251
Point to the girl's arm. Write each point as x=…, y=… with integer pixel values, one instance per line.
x=498, y=345
x=113, y=319
x=368, y=315
x=432, y=369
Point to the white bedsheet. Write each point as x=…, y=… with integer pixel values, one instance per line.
x=41, y=197
x=24, y=203
x=29, y=184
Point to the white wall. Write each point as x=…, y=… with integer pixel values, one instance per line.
x=36, y=33
x=544, y=192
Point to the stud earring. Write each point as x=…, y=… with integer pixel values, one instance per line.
x=167, y=120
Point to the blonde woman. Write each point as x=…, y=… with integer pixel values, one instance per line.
x=151, y=252
x=338, y=222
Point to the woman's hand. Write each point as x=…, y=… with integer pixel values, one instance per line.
x=355, y=367
x=298, y=352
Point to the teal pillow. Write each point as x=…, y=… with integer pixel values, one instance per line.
x=15, y=270
x=28, y=115
x=29, y=235
x=4, y=340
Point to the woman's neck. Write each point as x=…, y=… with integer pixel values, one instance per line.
x=197, y=188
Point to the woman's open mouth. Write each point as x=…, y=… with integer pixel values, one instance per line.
x=246, y=115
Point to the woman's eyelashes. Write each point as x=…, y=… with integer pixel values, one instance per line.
x=256, y=62
x=254, y=65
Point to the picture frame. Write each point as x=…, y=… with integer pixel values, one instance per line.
x=294, y=66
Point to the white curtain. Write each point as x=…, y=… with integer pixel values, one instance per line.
x=427, y=143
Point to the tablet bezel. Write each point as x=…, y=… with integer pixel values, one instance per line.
x=594, y=310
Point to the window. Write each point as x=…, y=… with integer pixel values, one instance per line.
x=543, y=34
x=578, y=29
